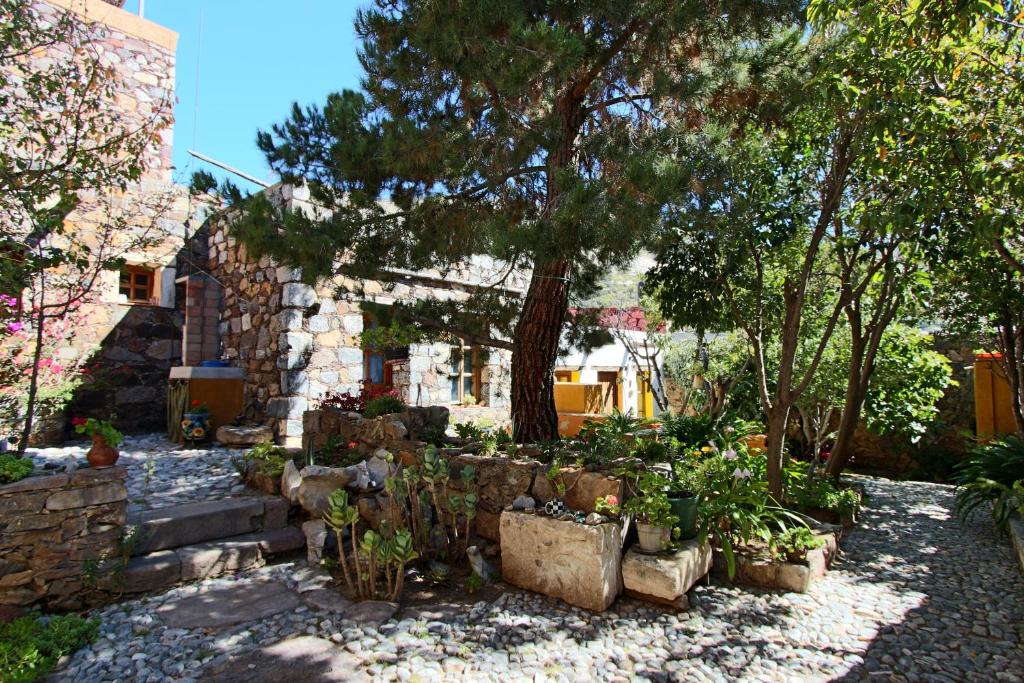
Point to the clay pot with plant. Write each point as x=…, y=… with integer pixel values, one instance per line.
x=105, y=440
x=653, y=513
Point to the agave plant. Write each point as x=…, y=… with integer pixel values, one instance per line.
x=989, y=476
x=338, y=516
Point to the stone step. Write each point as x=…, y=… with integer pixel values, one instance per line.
x=192, y=523
x=165, y=568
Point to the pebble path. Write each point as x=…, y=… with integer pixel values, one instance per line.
x=915, y=596
x=162, y=473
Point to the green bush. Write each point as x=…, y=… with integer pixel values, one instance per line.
x=383, y=405
x=820, y=491
x=989, y=476
x=31, y=645
x=13, y=468
x=269, y=459
x=690, y=431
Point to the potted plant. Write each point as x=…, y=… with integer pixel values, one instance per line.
x=794, y=542
x=105, y=440
x=195, y=424
x=683, y=493
x=654, y=518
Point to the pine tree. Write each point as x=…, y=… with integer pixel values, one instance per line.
x=536, y=133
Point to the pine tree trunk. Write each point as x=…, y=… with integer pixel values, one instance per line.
x=535, y=350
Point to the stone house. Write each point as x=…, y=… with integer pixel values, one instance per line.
x=298, y=343
x=128, y=334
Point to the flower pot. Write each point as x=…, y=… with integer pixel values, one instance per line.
x=195, y=426
x=652, y=538
x=684, y=507
x=101, y=454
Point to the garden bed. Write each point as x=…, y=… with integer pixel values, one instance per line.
x=756, y=567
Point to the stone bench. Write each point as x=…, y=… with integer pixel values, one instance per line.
x=666, y=578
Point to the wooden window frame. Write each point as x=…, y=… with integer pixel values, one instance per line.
x=133, y=271
x=475, y=372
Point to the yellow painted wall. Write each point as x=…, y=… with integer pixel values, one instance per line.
x=993, y=406
x=574, y=397
x=644, y=397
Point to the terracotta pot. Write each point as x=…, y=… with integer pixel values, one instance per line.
x=101, y=455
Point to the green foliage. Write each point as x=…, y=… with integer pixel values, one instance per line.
x=383, y=405
x=30, y=645
x=469, y=431
x=103, y=428
x=650, y=505
x=434, y=435
x=990, y=476
x=909, y=379
x=794, y=542
x=268, y=458
x=690, y=431
x=337, y=451
x=807, y=490
x=13, y=468
x=393, y=336
x=474, y=582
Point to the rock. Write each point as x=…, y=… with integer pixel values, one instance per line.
x=596, y=518
x=327, y=600
x=315, y=531
x=379, y=431
x=574, y=562
x=666, y=578
x=379, y=467
x=481, y=567
x=523, y=503
x=581, y=488
x=244, y=436
x=377, y=509
x=315, y=488
x=371, y=613
x=291, y=480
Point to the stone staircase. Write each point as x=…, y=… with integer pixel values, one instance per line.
x=195, y=541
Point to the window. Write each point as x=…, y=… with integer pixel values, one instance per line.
x=464, y=372
x=137, y=284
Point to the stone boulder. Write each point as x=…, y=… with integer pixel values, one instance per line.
x=318, y=483
x=291, y=480
x=244, y=436
x=581, y=488
x=574, y=562
x=666, y=579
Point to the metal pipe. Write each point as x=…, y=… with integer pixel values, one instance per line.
x=229, y=169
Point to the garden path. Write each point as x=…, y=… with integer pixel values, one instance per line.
x=916, y=597
x=161, y=473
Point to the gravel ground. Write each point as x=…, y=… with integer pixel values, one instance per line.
x=160, y=472
x=916, y=597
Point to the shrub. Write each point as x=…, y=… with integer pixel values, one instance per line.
x=690, y=431
x=268, y=458
x=13, y=468
x=989, y=476
x=31, y=645
x=794, y=542
x=383, y=405
x=820, y=491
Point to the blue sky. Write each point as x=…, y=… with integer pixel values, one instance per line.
x=256, y=58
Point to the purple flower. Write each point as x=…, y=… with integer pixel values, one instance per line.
x=742, y=474
x=14, y=327
x=730, y=455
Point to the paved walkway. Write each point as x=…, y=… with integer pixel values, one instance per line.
x=917, y=597
x=161, y=473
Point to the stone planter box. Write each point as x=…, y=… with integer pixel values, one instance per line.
x=577, y=563
x=665, y=579
x=764, y=572
x=49, y=526
x=1017, y=539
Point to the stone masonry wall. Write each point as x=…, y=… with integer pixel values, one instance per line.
x=49, y=526
x=118, y=352
x=297, y=342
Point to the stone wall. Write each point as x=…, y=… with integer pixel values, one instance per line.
x=49, y=526
x=298, y=342
x=118, y=354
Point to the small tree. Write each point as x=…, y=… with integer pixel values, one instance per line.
x=64, y=146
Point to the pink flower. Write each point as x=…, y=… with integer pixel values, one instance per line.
x=730, y=455
x=612, y=500
x=742, y=474
x=14, y=327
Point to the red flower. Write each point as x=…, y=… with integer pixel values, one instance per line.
x=353, y=444
x=195, y=403
x=611, y=500
x=76, y=421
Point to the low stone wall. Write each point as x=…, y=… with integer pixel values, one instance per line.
x=49, y=526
